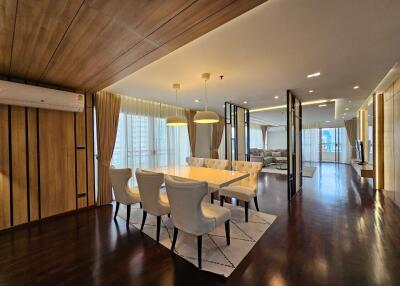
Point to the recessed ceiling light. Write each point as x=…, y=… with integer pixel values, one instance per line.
x=311, y=91
x=223, y=106
x=356, y=87
x=322, y=105
x=314, y=75
x=327, y=121
x=196, y=100
x=346, y=108
x=245, y=102
x=276, y=97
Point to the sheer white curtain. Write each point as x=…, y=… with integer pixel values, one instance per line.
x=310, y=143
x=256, y=137
x=143, y=138
x=345, y=148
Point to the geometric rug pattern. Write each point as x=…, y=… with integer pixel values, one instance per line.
x=217, y=257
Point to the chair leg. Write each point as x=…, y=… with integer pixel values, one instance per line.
x=256, y=203
x=212, y=198
x=174, y=239
x=221, y=200
x=158, y=228
x=246, y=211
x=128, y=215
x=116, y=210
x=143, y=220
x=199, y=245
x=227, y=232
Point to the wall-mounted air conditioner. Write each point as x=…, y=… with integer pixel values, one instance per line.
x=34, y=96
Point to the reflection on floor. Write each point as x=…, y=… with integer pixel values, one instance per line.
x=338, y=231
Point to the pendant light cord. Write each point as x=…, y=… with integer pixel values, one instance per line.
x=205, y=94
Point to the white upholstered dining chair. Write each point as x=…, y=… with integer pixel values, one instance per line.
x=215, y=164
x=195, y=162
x=245, y=189
x=122, y=192
x=191, y=214
x=153, y=202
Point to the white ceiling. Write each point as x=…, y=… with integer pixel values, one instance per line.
x=272, y=48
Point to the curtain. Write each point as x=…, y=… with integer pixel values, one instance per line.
x=310, y=143
x=256, y=140
x=217, y=131
x=351, y=129
x=191, y=127
x=144, y=140
x=264, y=134
x=107, y=113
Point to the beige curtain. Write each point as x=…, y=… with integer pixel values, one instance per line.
x=351, y=129
x=217, y=131
x=107, y=114
x=191, y=130
x=264, y=134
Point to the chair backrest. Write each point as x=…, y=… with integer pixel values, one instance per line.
x=119, y=182
x=245, y=166
x=185, y=197
x=216, y=164
x=195, y=162
x=149, y=184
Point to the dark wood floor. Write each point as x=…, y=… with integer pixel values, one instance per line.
x=337, y=232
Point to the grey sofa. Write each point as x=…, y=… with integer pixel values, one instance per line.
x=268, y=157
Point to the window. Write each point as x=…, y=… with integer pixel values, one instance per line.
x=256, y=137
x=143, y=138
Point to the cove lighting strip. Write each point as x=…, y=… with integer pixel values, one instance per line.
x=284, y=106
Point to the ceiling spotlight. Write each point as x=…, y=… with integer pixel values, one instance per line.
x=314, y=75
x=196, y=100
x=311, y=91
x=346, y=108
x=322, y=105
x=327, y=121
x=276, y=97
x=245, y=102
x=356, y=87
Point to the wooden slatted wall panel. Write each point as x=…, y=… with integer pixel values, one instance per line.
x=33, y=164
x=90, y=149
x=5, y=221
x=19, y=165
x=57, y=162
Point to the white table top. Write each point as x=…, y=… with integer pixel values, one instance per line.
x=214, y=177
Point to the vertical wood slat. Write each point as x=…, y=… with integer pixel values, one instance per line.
x=19, y=165
x=57, y=167
x=5, y=221
x=80, y=139
x=90, y=149
x=33, y=164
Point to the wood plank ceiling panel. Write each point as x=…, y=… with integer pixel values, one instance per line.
x=102, y=32
x=7, y=20
x=188, y=26
x=40, y=26
x=87, y=45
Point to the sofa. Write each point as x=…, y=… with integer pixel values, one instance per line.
x=268, y=157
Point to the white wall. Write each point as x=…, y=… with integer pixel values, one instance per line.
x=276, y=138
x=203, y=140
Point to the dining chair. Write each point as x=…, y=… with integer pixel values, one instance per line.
x=122, y=192
x=191, y=214
x=195, y=162
x=215, y=164
x=153, y=201
x=245, y=189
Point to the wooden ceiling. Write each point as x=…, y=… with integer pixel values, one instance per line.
x=87, y=45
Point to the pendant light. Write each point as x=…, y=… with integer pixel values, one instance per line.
x=176, y=120
x=206, y=117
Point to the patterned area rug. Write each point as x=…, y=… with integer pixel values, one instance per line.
x=217, y=257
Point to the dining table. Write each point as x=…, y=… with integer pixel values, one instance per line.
x=216, y=178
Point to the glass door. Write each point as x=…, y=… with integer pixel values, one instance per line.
x=330, y=145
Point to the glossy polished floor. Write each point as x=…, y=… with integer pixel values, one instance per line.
x=337, y=232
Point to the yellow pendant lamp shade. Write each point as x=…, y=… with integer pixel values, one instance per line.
x=176, y=120
x=206, y=116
